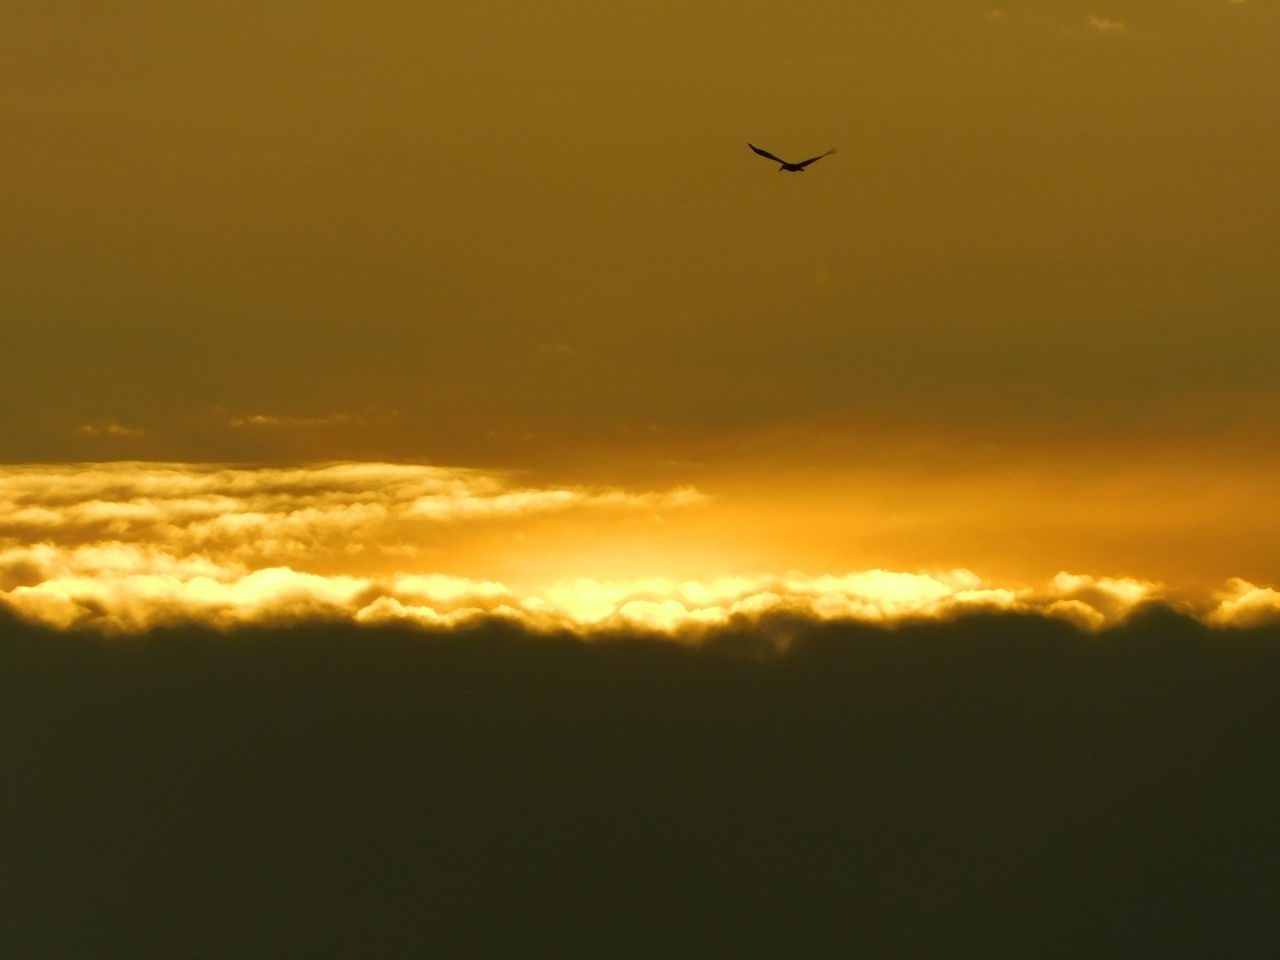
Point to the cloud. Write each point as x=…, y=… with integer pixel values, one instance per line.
x=1241, y=602
x=277, y=514
x=128, y=546
x=271, y=421
x=1104, y=24
x=108, y=428
x=131, y=587
x=262, y=421
x=125, y=546
x=1095, y=601
x=337, y=784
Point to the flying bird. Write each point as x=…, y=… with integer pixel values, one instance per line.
x=789, y=167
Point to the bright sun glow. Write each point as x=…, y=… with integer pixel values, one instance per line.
x=124, y=547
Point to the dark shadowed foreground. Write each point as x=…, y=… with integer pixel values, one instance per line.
x=992, y=787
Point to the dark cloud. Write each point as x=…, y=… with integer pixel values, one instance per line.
x=1000, y=785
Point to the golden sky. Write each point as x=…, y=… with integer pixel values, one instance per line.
x=1022, y=322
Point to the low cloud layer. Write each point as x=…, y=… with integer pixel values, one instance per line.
x=129, y=546
x=272, y=516
x=1001, y=786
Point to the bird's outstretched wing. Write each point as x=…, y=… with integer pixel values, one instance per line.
x=766, y=153
x=805, y=163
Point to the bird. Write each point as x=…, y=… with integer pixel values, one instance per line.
x=789, y=167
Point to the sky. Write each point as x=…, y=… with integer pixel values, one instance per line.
x=455, y=496
x=1018, y=327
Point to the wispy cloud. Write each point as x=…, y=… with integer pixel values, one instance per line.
x=272, y=420
x=1041, y=21
x=127, y=545
x=1104, y=24
x=277, y=421
x=108, y=428
x=274, y=515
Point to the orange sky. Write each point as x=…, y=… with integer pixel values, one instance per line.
x=127, y=546
x=1022, y=322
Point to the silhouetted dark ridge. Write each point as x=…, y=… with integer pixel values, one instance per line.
x=996, y=786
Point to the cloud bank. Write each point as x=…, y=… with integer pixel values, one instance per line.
x=990, y=786
x=125, y=547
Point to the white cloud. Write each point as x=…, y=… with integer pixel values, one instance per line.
x=128, y=587
x=1242, y=602
x=125, y=545
x=278, y=514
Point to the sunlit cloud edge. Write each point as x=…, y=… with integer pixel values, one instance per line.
x=124, y=547
x=177, y=591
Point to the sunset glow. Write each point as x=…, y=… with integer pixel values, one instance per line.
x=127, y=546
x=790, y=478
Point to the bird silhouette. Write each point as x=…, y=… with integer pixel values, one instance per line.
x=789, y=167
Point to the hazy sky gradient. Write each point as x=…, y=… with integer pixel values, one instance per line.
x=533, y=237
x=364, y=359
